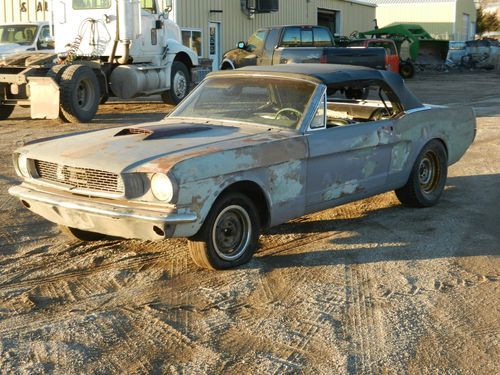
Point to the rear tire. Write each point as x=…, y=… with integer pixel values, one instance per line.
x=82, y=235
x=229, y=235
x=427, y=178
x=80, y=94
x=180, y=83
x=6, y=111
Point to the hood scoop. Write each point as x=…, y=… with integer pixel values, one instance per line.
x=163, y=131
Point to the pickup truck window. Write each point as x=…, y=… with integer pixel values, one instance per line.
x=272, y=39
x=389, y=47
x=306, y=37
x=91, y=4
x=291, y=37
x=256, y=41
x=322, y=37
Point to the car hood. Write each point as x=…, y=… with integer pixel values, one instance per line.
x=133, y=148
x=8, y=48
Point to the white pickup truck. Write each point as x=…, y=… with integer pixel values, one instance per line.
x=21, y=37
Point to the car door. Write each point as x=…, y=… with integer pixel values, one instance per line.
x=347, y=162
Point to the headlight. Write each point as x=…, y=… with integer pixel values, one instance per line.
x=22, y=165
x=162, y=187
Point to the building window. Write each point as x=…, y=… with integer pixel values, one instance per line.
x=91, y=4
x=192, y=38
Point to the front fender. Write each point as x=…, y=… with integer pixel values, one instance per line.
x=174, y=48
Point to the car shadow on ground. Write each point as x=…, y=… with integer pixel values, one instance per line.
x=398, y=233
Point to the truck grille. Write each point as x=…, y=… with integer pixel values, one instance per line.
x=81, y=178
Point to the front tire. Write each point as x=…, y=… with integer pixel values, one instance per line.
x=80, y=94
x=179, y=84
x=427, y=178
x=229, y=236
x=81, y=235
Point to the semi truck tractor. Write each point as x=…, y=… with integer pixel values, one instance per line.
x=103, y=48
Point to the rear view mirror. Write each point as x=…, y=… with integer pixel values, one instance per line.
x=241, y=45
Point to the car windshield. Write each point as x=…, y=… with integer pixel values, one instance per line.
x=20, y=34
x=261, y=100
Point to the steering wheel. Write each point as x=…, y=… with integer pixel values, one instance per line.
x=292, y=111
x=379, y=114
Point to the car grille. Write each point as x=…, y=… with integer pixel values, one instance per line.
x=81, y=178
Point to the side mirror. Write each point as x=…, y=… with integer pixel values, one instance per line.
x=242, y=45
x=47, y=42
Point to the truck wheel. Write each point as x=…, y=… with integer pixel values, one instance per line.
x=179, y=84
x=80, y=94
x=427, y=178
x=81, y=235
x=229, y=235
x=6, y=111
x=406, y=69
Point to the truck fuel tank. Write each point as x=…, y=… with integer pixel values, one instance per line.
x=129, y=81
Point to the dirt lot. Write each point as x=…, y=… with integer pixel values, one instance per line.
x=369, y=287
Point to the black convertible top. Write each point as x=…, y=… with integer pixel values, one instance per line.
x=334, y=74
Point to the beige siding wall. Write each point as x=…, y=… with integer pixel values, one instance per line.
x=24, y=10
x=236, y=26
x=441, y=20
x=465, y=7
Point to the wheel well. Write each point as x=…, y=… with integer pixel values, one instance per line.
x=226, y=66
x=184, y=58
x=103, y=82
x=444, y=145
x=256, y=195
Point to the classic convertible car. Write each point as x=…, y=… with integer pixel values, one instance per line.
x=248, y=149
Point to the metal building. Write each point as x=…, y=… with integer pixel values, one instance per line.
x=211, y=27
x=443, y=19
x=214, y=26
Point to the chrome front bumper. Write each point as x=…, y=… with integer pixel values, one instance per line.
x=102, y=217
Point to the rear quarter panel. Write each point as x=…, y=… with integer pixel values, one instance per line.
x=454, y=126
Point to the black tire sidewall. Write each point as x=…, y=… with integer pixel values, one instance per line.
x=427, y=200
x=206, y=232
x=70, y=79
x=178, y=67
x=406, y=70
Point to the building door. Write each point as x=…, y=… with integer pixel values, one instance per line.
x=465, y=26
x=329, y=19
x=214, y=44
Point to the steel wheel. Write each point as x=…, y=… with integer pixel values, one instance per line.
x=179, y=84
x=427, y=177
x=429, y=172
x=231, y=232
x=85, y=94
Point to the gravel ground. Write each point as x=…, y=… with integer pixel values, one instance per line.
x=365, y=288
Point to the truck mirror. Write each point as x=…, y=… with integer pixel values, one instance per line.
x=241, y=45
x=47, y=42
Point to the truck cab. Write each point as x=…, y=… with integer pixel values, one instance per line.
x=22, y=37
